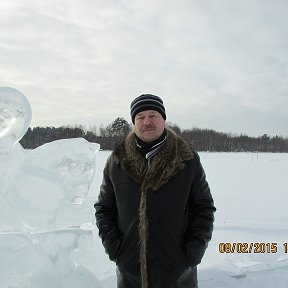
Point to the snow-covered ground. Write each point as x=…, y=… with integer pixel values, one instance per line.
x=251, y=197
x=47, y=228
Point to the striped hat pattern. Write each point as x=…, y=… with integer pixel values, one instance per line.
x=147, y=102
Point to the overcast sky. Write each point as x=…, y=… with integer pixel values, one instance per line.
x=216, y=64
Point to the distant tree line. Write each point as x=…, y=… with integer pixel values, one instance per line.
x=200, y=139
x=106, y=136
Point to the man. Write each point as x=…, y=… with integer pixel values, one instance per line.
x=155, y=211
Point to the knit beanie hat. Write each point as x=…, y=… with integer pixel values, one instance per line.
x=147, y=102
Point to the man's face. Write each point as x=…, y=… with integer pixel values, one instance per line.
x=149, y=125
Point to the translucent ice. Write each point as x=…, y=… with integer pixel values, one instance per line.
x=15, y=114
x=43, y=217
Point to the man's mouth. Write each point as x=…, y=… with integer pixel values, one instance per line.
x=148, y=129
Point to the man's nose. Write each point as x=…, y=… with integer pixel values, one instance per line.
x=147, y=121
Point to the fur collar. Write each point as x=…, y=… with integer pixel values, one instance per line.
x=165, y=165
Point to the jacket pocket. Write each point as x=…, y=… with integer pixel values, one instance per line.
x=164, y=247
x=128, y=252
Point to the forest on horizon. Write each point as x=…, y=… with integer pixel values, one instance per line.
x=200, y=139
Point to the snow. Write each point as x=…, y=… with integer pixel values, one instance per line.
x=48, y=236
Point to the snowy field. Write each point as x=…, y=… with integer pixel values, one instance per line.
x=249, y=192
x=48, y=237
x=251, y=200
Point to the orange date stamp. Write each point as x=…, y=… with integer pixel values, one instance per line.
x=256, y=247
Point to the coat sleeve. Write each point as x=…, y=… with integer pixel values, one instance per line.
x=201, y=216
x=107, y=216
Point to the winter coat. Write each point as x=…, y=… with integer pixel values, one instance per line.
x=155, y=222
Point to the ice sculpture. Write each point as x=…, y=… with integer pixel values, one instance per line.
x=45, y=226
x=15, y=115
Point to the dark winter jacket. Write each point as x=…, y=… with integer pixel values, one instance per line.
x=155, y=222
